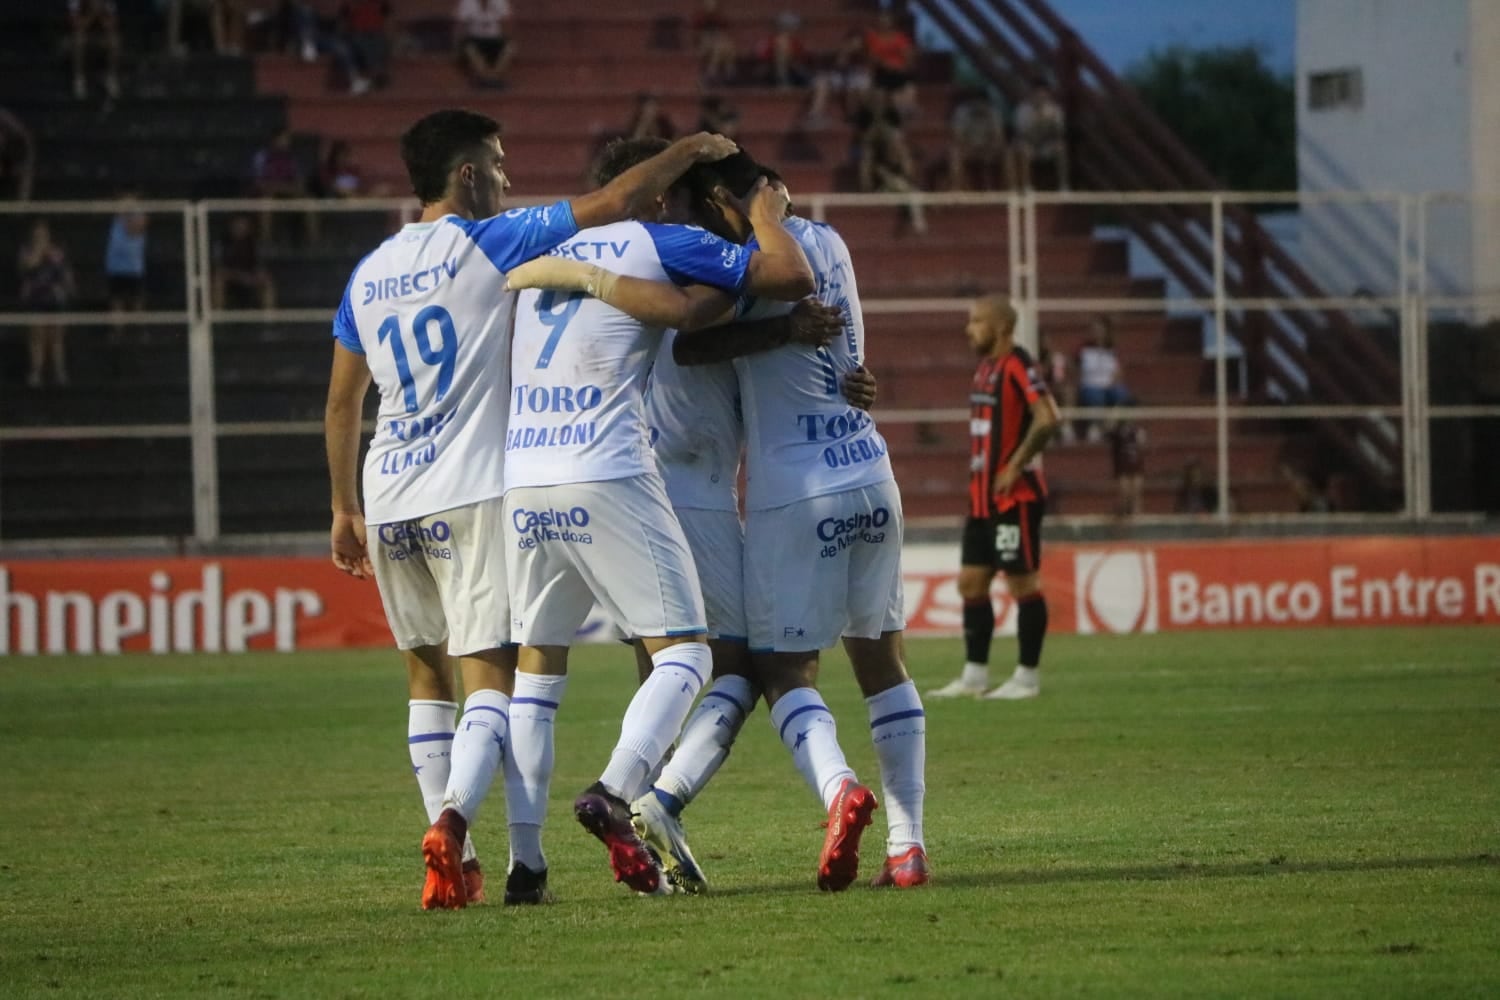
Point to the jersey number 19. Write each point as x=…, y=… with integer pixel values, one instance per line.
x=445, y=355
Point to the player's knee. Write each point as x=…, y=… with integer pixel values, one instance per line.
x=974, y=584
x=1023, y=584
x=778, y=673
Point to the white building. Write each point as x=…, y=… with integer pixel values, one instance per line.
x=1401, y=96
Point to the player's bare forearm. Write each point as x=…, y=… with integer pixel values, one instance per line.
x=347, y=385
x=633, y=192
x=1043, y=427
x=736, y=340
x=779, y=269
x=660, y=303
x=810, y=323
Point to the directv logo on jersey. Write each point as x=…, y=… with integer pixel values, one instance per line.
x=415, y=283
x=842, y=532
x=587, y=251
x=538, y=526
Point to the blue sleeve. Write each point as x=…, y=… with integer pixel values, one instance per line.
x=344, y=330
x=514, y=237
x=695, y=256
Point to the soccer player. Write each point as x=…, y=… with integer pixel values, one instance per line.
x=1012, y=417
x=425, y=316
x=822, y=546
x=587, y=515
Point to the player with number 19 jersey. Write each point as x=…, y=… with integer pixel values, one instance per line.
x=818, y=480
x=578, y=417
x=429, y=313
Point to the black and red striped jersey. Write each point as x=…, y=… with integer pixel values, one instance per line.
x=1000, y=401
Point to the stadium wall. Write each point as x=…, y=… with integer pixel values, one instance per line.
x=237, y=604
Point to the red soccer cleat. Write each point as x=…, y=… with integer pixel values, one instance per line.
x=847, y=818
x=906, y=870
x=608, y=818
x=473, y=881
x=442, y=851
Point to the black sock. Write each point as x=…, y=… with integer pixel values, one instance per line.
x=1031, y=627
x=979, y=629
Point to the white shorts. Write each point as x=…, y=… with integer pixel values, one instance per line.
x=824, y=568
x=443, y=577
x=717, y=540
x=616, y=542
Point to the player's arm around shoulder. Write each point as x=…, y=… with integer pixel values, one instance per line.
x=632, y=193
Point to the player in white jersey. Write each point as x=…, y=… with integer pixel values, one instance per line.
x=425, y=316
x=820, y=481
x=587, y=516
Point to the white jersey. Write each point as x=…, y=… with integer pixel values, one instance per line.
x=428, y=311
x=802, y=437
x=579, y=367
x=696, y=432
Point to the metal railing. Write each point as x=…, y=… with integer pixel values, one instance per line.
x=1024, y=262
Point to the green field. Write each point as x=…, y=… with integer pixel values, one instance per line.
x=1251, y=814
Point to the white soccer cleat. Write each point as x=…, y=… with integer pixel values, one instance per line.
x=958, y=688
x=1019, y=687
x=663, y=832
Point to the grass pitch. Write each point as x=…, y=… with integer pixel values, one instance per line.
x=1288, y=814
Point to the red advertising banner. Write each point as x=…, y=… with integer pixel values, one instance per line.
x=237, y=604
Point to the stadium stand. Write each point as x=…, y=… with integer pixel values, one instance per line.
x=190, y=128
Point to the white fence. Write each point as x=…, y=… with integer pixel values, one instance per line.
x=1395, y=429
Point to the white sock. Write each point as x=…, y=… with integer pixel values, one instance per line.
x=707, y=737
x=808, y=730
x=429, y=739
x=976, y=675
x=898, y=728
x=655, y=716
x=528, y=764
x=478, y=745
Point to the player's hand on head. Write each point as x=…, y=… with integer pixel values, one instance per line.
x=348, y=543
x=859, y=388
x=557, y=273
x=768, y=198
x=813, y=324
x=710, y=147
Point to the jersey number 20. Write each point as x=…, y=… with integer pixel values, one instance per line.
x=445, y=355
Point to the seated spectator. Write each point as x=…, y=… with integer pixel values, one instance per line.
x=848, y=76
x=714, y=45
x=277, y=173
x=95, y=21
x=1041, y=139
x=1099, y=375
x=17, y=158
x=125, y=261
x=1310, y=499
x=365, y=26
x=1127, y=449
x=1060, y=383
x=481, y=30
x=781, y=56
x=47, y=285
x=310, y=36
x=892, y=55
x=1195, y=494
x=225, y=21
x=649, y=120
x=241, y=281
x=715, y=114
x=977, y=148
x=885, y=160
x=340, y=177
